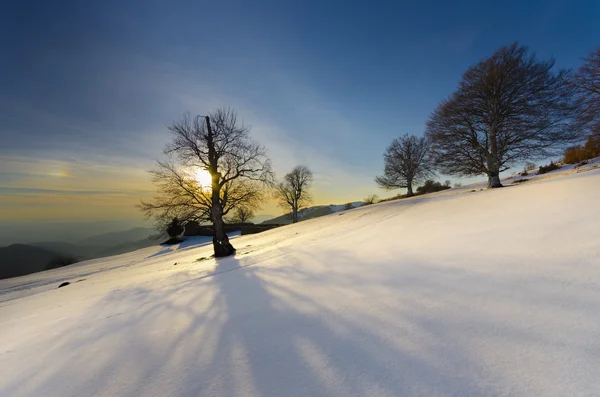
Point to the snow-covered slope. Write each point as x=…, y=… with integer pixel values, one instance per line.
x=484, y=293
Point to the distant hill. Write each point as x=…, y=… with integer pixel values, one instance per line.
x=117, y=238
x=127, y=247
x=77, y=251
x=89, y=250
x=20, y=259
x=312, y=212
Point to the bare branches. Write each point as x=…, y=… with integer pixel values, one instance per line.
x=508, y=107
x=293, y=192
x=587, y=85
x=237, y=155
x=407, y=162
x=178, y=196
x=239, y=167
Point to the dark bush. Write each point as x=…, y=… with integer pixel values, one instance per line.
x=431, y=186
x=547, y=168
x=175, y=228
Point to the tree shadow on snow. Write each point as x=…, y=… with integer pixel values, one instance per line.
x=269, y=330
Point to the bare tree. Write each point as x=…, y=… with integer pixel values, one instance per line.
x=293, y=192
x=180, y=195
x=508, y=107
x=407, y=163
x=372, y=199
x=238, y=166
x=242, y=214
x=587, y=84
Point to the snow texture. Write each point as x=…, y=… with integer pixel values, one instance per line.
x=461, y=293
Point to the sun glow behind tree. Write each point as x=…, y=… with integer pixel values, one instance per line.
x=204, y=179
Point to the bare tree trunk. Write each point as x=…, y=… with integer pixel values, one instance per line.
x=221, y=245
x=493, y=165
x=409, y=189
x=494, y=180
x=493, y=172
x=295, y=214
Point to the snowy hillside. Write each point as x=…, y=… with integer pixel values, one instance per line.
x=463, y=293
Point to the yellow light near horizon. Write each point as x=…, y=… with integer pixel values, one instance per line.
x=204, y=179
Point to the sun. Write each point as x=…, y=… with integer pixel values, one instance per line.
x=204, y=179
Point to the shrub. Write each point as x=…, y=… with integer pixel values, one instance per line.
x=547, y=168
x=574, y=155
x=175, y=228
x=348, y=206
x=431, y=186
x=592, y=146
x=577, y=154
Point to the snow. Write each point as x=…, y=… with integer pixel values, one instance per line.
x=461, y=293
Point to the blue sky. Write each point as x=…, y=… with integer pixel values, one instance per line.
x=89, y=87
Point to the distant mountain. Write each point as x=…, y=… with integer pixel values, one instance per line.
x=78, y=251
x=106, y=244
x=27, y=232
x=117, y=238
x=262, y=218
x=312, y=212
x=127, y=247
x=20, y=259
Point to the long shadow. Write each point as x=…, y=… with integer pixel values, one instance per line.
x=278, y=348
x=265, y=328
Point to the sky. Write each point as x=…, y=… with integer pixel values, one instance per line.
x=88, y=88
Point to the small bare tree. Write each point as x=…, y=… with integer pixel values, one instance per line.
x=508, y=107
x=587, y=84
x=372, y=199
x=293, y=192
x=242, y=214
x=407, y=163
x=238, y=166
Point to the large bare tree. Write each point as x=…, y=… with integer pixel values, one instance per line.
x=507, y=108
x=238, y=166
x=587, y=84
x=407, y=162
x=293, y=192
